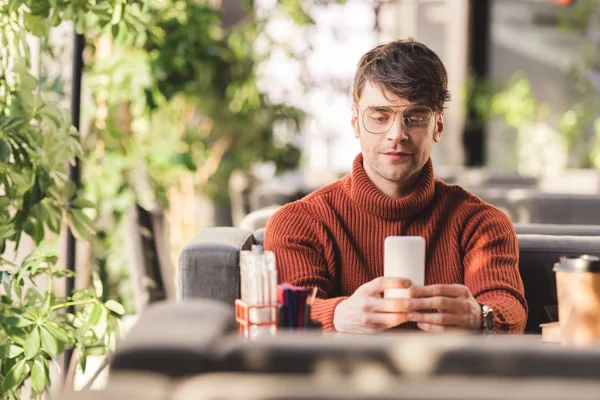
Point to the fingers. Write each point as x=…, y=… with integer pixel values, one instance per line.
x=444, y=319
x=378, y=285
x=384, y=321
x=376, y=304
x=438, y=328
x=368, y=314
x=451, y=304
x=439, y=291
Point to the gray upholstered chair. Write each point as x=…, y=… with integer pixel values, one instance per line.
x=209, y=266
x=534, y=206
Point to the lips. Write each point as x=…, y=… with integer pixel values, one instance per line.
x=396, y=155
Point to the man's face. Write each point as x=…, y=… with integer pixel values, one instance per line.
x=400, y=153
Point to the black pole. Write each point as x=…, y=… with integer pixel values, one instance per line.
x=74, y=174
x=479, y=55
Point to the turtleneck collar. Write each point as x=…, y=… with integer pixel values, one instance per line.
x=366, y=195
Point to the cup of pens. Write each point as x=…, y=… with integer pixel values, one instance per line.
x=257, y=310
x=295, y=307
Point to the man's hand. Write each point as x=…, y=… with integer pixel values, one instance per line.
x=454, y=305
x=366, y=311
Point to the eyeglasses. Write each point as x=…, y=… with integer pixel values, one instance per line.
x=380, y=119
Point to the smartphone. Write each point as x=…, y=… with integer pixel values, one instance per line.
x=404, y=256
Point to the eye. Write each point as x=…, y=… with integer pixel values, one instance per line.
x=417, y=117
x=380, y=115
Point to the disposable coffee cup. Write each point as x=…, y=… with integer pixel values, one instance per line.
x=578, y=289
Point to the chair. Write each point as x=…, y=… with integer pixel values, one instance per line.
x=534, y=206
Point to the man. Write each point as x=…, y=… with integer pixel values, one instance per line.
x=333, y=238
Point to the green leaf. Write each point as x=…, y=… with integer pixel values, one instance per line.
x=38, y=232
x=96, y=350
x=16, y=321
x=38, y=377
x=8, y=351
x=19, y=337
x=14, y=351
x=32, y=344
x=115, y=307
x=61, y=273
x=117, y=14
x=70, y=189
x=35, y=25
x=95, y=314
x=82, y=357
x=9, y=123
x=81, y=202
x=5, y=151
x=97, y=282
x=84, y=220
x=49, y=344
x=100, y=328
x=80, y=223
x=14, y=376
x=5, y=278
x=58, y=332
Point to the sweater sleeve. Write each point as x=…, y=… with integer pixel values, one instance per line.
x=491, y=266
x=304, y=257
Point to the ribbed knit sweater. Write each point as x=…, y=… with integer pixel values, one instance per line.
x=333, y=239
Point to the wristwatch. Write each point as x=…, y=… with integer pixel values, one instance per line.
x=487, y=319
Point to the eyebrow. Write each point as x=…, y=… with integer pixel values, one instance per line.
x=379, y=106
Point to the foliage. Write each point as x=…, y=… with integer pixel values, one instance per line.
x=188, y=100
x=514, y=102
x=582, y=122
x=37, y=142
x=36, y=327
x=180, y=99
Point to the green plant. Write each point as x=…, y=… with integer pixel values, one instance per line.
x=581, y=124
x=178, y=112
x=36, y=327
x=36, y=198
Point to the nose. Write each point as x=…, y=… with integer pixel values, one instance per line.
x=397, y=132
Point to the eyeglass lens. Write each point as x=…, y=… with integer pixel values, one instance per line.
x=380, y=119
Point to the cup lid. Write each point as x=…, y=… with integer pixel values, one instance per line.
x=583, y=263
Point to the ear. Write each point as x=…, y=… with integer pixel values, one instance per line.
x=354, y=121
x=439, y=127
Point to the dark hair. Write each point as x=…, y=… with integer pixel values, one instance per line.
x=408, y=69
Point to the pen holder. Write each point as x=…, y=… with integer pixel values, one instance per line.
x=307, y=322
x=254, y=321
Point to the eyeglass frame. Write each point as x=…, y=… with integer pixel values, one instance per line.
x=362, y=116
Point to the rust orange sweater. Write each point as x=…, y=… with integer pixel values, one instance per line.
x=333, y=239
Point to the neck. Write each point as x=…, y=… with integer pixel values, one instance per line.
x=379, y=201
x=395, y=190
